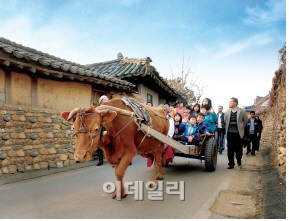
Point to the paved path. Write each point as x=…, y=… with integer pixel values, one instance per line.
x=78, y=193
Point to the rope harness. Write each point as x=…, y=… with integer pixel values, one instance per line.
x=83, y=128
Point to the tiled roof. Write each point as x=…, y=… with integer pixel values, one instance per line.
x=124, y=68
x=50, y=61
x=260, y=106
x=256, y=108
x=262, y=99
x=250, y=108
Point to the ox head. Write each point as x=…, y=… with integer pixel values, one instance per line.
x=87, y=126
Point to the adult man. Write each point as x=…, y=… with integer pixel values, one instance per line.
x=99, y=151
x=166, y=107
x=235, y=120
x=261, y=128
x=252, y=131
x=220, y=132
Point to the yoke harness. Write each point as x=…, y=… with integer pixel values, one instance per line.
x=142, y=113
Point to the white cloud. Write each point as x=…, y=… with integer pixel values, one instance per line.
x=274, y=11
x=67, y=42
x=256, y=40
x=58, y=39
x=51, y=38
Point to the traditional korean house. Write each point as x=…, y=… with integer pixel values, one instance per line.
x=35, y=88
x=260, y=104
x=35, y=79
x=149, y=84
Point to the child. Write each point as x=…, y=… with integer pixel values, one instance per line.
x=187, y=113
x=207, y=101
x=191, y=134
x=179, y=126
x=196, y=109
x=201, y=126
x=211, y=118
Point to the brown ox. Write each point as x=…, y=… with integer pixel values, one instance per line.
x=121, y=141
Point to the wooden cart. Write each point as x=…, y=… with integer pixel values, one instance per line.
x=207, y=149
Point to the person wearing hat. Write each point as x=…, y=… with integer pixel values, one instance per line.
x=102, y=98
x=99, y=151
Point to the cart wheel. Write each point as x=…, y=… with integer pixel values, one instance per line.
x=211, y=153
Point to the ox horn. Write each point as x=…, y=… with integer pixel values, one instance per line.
x=101, y=111
x=72, y=113
x=105, y=108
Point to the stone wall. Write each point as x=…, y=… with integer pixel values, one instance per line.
x=33, y=139
x=274, y=121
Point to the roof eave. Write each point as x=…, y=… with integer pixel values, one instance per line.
x=42, y=71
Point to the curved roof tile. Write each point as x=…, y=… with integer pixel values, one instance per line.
x=128, y=67
x=30, y=54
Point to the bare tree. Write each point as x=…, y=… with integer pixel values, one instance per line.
x=193, y=89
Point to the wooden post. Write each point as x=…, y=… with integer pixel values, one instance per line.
x=8, y=90
x=34, y=92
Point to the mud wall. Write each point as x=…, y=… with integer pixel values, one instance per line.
x=274, y=121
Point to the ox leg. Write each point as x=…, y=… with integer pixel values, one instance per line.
x=164, y=161
x=122, y=188
x=120, y=171
x=157, y=166
x=160, y=171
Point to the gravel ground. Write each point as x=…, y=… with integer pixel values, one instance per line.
x=255, y=191
x=273, y=191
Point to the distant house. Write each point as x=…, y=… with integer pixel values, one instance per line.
x=32, y=78
x=260, y=104
x=149, y=84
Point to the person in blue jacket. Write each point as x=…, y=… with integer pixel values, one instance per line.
x=201, y=126
x=191, y=135
x=211, y=118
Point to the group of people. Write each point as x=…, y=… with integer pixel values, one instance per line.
x=188, y=123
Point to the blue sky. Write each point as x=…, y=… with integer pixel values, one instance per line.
x=232, y=46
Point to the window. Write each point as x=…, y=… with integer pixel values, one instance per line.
x=150, y=98
x=95, y=95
